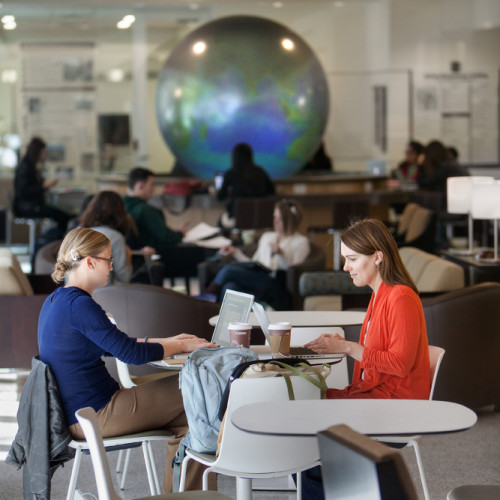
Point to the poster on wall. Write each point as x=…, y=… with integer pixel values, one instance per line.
x=58, y=102
x=461, y=111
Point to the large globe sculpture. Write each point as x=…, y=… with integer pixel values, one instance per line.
x=242, y=79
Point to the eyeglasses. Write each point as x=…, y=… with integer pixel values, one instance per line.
x=109, y=261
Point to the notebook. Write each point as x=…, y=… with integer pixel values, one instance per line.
x=295, y=351
x=236, y=307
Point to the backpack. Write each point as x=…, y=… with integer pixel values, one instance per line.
x=202, y=381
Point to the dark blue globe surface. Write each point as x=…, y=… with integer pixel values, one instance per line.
x=242, y=79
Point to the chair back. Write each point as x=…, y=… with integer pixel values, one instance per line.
x=259, y=454
x=87, y=418
x=435, y=357
x=355, y=466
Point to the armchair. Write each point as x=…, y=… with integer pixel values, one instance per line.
x=21, y=298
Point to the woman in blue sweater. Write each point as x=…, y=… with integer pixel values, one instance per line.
x=74, y=333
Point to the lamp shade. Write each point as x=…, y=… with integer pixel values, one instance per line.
x=459, y=192
x=485, y=201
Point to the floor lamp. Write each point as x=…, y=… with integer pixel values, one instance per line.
x=459, y=195
x=485, y=204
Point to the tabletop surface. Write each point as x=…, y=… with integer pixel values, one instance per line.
x=310, y=318
x=374, y=417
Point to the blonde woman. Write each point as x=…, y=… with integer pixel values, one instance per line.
x=73, y=335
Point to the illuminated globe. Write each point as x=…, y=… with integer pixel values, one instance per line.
x=242, y=79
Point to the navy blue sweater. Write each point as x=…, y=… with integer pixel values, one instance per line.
x=73, y=333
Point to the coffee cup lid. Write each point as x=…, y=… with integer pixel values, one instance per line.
x=282, y=325
x=236, y=325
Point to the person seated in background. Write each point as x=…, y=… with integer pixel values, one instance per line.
x=407, y=170
x=106, y=213
x=277, y=250
x=434, y=169
x=392, y=355
x=149, y=220
x=453, y=155
x=243, y=180
x=73, y=335
x=320, y=161
x=30, y=188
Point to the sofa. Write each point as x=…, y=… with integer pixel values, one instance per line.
x=21, y=298
x=432, y=275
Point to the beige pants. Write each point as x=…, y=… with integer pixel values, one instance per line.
x=152, y=405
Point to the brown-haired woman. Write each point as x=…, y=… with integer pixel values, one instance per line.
x=73, y=335
x=392, y=356
x=278, y=249
x=106, y=213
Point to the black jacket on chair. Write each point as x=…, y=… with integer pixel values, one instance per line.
x=41, y=442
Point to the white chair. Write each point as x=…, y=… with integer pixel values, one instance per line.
x=249, y=456
x=127, y=381
x=435, y=357
x=136, y=440
x=88, y=421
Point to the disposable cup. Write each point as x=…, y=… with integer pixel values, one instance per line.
x=279, y=337
x=239, y=334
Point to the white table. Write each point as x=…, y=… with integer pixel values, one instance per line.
x=309, y=318
x=373, y=417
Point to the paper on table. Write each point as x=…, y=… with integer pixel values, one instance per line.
x=217, y=242
x=199, y=232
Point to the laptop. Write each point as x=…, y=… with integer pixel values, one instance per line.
x=295, y=351
x=236, y=307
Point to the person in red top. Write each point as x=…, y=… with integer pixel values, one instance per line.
x=392, y=355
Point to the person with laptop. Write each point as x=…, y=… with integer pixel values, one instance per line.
x=73, y=335
x=277, y=250
x=392, y=355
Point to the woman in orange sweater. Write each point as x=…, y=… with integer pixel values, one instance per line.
x=392, y=356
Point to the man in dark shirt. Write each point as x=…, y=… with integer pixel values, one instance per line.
x=244, y=179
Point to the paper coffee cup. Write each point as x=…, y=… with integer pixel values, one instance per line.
x=279, y=337
x=239, y=334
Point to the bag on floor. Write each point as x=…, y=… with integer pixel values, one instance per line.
x=202, y=381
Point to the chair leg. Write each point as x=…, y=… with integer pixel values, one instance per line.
x=119, y=462
x=414, y=443
x=74, y=474
x=299, y=485
x=149, y=471
x=182, y=482
x=125, y=468
x=32, y=237
x=243, y=488
x=153, y=466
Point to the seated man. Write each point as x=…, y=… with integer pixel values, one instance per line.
x=152, y=230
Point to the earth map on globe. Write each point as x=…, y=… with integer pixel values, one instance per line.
x=242, y=79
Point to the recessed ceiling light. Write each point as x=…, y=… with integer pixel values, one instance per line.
x=9, y=26
x=8, y=19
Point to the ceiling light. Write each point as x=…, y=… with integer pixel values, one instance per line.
x=125, y=22
x=116, y=75
x=8, y=19
x=9, y=26
x=199, y=47
x=9, y=76
x=129, y=18
x=287, y=44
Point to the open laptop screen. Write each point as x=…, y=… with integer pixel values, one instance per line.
x=236, y=306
